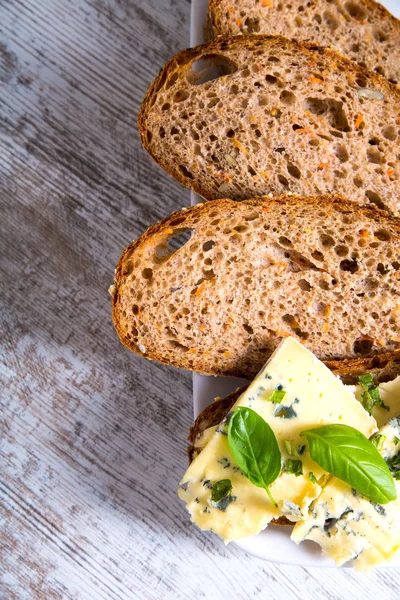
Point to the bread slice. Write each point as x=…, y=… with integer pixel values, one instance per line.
x=284, y=117
x=214, y=288
x=362, y=29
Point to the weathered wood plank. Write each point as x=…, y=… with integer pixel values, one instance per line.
x=92, y=439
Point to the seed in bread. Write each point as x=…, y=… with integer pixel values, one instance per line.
x=215, y=288
x=284, y=117
x=363, y=30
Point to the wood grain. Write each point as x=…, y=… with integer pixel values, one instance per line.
x=92, y=438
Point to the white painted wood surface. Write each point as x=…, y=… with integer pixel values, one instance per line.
x=92, y=438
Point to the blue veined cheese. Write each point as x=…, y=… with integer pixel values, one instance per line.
x=348, y=526
x=314, y=396
x=390, y=396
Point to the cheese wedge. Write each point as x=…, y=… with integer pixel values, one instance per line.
x=313, y=396
x=348, y=526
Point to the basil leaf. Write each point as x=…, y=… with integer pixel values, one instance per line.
x=378, y=440
x=349, y=455
x=254, y=448
x=396, y=440
x=371, y=396
x=394, y=463
x=294, y=467
x=221, y=489
x=277, y=396
x=366, y=381
x=312, y=477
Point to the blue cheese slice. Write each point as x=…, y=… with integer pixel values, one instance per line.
x=313, y=396
x=348, y=526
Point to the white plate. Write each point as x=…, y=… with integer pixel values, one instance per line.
x=273, y=544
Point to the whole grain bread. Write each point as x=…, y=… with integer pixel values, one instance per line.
x=362, y=29
x=284, y=117
x=214, y=288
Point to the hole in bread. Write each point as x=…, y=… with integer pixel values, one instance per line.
x=178, y=345
x=374, y=198
x=379, y=35
x=208, y=274
x=162, y=132
x=390, y=133
x=363, y=345
x=358, y=182
x=341, y=153
x=271, y=79
x=241, y=228
x=181, y=96
x=252, y=25
x=361, y=81
x=208, y=245
x=355, y=10
x=396, y=265
x=331, y=21
x=332, y=109
x=285, y=241
x=294, y=171
x=374, y=156
x=324, y=285
x=185, y=172
x=327, y=241
x=294, y=326
x=172, y=244
x=166, y=106
x=209, y=68
x=349, y=265
x=283, y=181
x=304, y=285
x=171, y=81
x=247, y=328
x=383, y=235
x=342, y=250
x=135, y=309
x=147, y=274
x=317, y=255
x=251, y=216
x=287, y=98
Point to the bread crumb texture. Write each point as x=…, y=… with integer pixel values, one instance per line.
x=217, y=287
x=362, y=29
x=246, y=117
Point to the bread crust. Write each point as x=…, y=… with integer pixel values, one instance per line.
x=185, y=218
x=222, y=44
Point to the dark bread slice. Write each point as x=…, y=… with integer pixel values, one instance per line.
x=385, y=368
x=363, y=30
x=284, y=117
x=320, y=269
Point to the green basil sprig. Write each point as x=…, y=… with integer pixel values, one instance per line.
x=221, y=489
x=254, y=448
x=349, y=455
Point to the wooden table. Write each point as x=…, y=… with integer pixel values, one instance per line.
x=92, y=438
